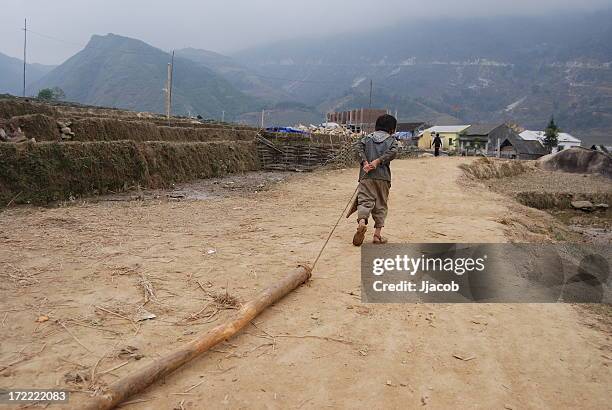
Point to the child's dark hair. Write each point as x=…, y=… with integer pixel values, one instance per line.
x=386, y=123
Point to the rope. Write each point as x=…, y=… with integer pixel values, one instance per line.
x=334, y=228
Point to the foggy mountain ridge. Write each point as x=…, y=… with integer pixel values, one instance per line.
x=521, y=69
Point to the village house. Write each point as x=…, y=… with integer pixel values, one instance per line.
x=412, y=129
x=507, y=143
x=564, y=139
x=449, y=134
x=474, y=139
x=409, y=132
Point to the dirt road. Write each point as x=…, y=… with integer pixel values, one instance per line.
x=86, y=268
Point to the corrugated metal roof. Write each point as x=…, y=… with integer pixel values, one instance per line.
x=529, y=135
x=481, y=129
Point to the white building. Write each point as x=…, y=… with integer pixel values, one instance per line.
x=564, y=139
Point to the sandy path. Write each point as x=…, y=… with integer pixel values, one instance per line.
x=398, y=356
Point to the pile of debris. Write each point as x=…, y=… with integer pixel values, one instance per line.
x=10, y=132
x=329, y=128
x=65, y=131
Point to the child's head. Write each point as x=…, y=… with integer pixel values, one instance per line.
x=386, y=123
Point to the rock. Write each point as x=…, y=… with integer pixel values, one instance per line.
x=3, y=136
x=583, y=205
x=67, y=131
x=578, y=160
x=602, y=206
x=425, y=155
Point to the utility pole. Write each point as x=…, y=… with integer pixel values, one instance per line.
x=262, y=117
x=371, y=85
x=171, y=83
x=169, y=87
x=168, y=91
x=25, y=45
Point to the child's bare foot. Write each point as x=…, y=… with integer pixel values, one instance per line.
x=360, y=234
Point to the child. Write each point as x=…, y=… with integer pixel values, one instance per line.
x=376, y=151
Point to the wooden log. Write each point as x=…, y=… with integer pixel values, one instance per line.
x=136, y=382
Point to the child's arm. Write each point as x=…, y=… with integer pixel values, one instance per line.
x=389, y=155
x=360, y=149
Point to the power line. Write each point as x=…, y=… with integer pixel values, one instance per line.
x=304, y=81
x=94, y=48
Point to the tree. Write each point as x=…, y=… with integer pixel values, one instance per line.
x=45, y=94
x=51, y=94
x=551, y=135
x=58, y=93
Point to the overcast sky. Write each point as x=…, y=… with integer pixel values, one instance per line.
x=229, y=25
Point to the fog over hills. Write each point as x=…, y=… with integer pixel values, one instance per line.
x=462, y=70
x=487, y=69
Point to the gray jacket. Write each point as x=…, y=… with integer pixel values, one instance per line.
x=381, y=145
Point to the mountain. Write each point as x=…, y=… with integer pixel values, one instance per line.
x=237, y=74
x=522, y=69
x=11, y=74
x=127, y=73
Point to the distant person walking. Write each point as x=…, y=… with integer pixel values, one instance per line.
x=437, y=143
x=376, y=151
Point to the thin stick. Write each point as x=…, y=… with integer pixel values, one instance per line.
x=329, y=339
x=114, y=368
x=121, y=316
x=127, y=403
x=193, y=387
x=12, y=200
x=74, y=322
x=74, y=337
x=114, y=313
x=23, y=359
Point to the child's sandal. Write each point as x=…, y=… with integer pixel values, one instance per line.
x=359, y=235
x=378, y=239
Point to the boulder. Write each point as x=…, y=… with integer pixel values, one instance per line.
x=578, y=160
x=583, y=205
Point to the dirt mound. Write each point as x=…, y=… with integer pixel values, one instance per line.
x=487, y=168
x=578, y=160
